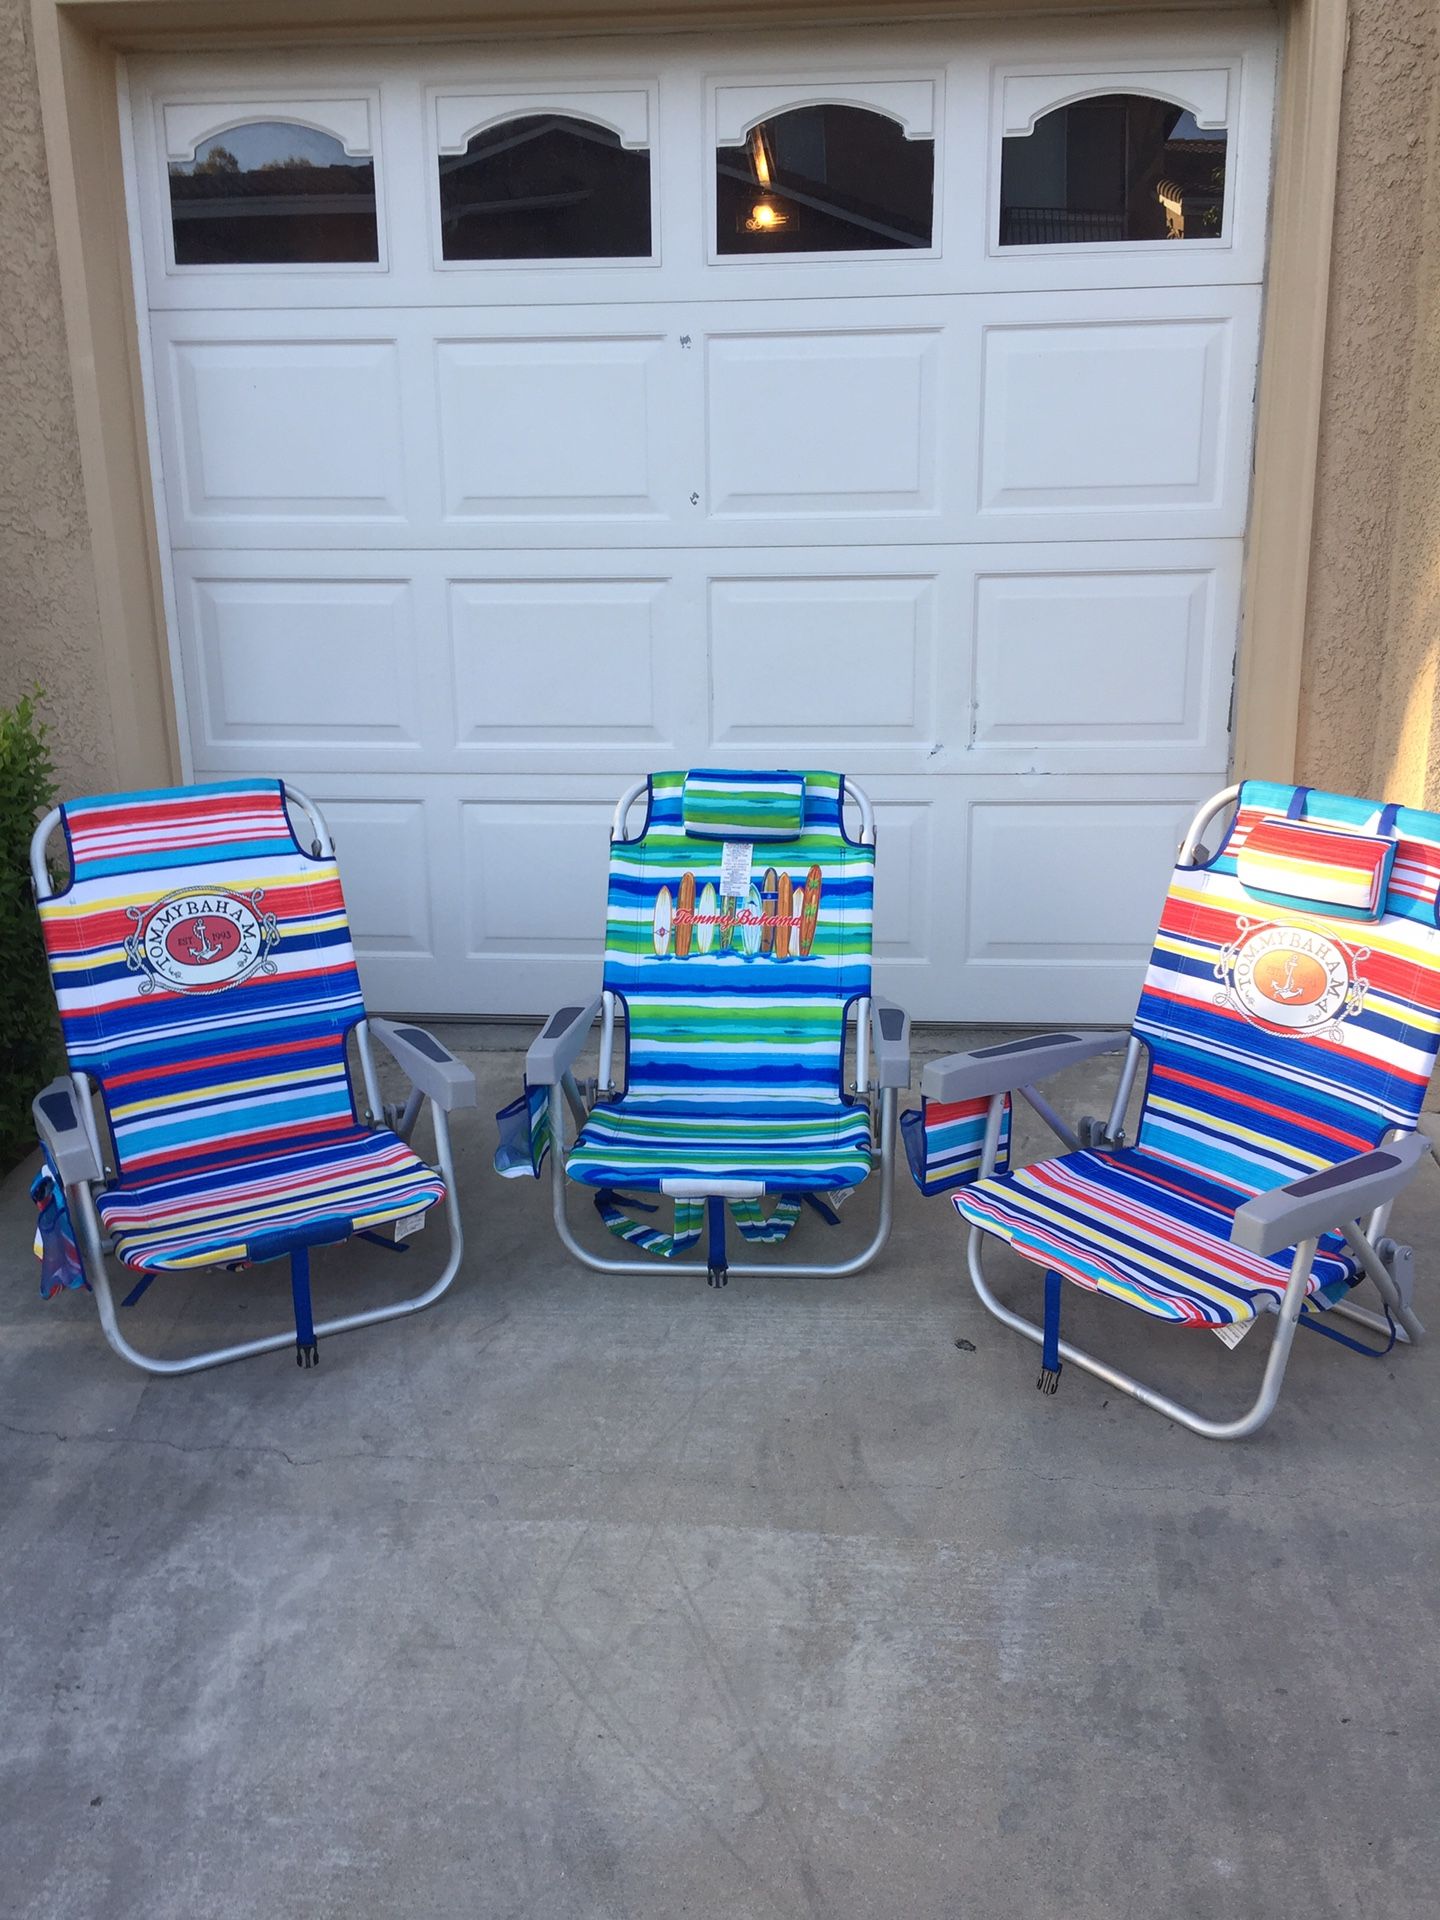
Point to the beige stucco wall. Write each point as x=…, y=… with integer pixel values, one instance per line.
x=1370, y=714
x=1370, y=706
x=49, y=632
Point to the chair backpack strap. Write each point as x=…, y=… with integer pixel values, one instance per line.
x=689, y=1219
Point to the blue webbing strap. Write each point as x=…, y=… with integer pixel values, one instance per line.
x=1050, y=1346
x=1317, y=1325
x=139, y=1287
x=307, y=1352
x=715, y=1241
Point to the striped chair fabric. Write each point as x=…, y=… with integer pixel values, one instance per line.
x=736, y=1005
x=1280, y=1039
x=206, y=982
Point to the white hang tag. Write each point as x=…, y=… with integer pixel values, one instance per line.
x=1234, y=1333
x=408, y=1223
x=735, y=863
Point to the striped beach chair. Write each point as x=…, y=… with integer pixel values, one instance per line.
x=1288, y=1026
x=736, y=976
x=202, y=963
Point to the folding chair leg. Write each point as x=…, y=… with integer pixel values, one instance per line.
x=600, y=1263
x=1237, y=1429
x=93, y=1254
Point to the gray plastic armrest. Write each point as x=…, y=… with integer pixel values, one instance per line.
x=61, y=1129
x=559, y=1045
x=430, y=1067
x=890, y=1042
x=1014, y=1063
x=1321, y=1202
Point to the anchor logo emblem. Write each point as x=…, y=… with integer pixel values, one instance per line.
x=201, y=946
x=199, y=941
x=1291, y=979
x=1287, y=989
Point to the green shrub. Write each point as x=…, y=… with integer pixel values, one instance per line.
x=29, y=1041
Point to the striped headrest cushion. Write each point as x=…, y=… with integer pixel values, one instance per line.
x=1302, y=865
x=719, y=805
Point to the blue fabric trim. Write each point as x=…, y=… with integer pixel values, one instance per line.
x=715, y=1234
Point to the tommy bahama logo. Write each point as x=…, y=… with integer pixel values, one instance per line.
x=1291, y=979
x=201, y=940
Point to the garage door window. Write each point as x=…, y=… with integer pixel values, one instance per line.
x=1124, y=166
x=272, y=193
x=545, y=186
x=824, y=179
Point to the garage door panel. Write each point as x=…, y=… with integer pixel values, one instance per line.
x=1083, y=422
x=819, y=423
x=1056, y=883
x=552, y=428
x=308, y=666
x=287, y=429
x=825, y=662
x=562, y=664
x=384, y=855
x=535, y=877
x=1076, y=663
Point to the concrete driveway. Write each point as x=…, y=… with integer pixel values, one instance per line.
x=579, y=1597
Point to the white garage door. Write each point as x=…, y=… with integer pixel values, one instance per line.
x=528, y=420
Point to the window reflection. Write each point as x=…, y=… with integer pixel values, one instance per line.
x=545, y=187
x=1120, y=167
x=272, y=193
x=826, y=179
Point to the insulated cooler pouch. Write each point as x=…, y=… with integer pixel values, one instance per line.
x=944, y=1140
x=524, y=1128
x=55, y=1248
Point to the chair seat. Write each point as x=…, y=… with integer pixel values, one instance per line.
x=1146, y=1231
x=785, y=1145
x=223, y=1215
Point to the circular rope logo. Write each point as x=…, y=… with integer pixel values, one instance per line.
x=1291, y=979
x=201, y=940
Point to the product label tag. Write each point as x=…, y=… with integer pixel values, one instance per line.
x=735, y=863
x=407, y=1224
x=1234, y=1333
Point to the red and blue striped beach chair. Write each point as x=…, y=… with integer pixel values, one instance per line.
x=1288, y=1026
x=202, y=963
x=737, y=955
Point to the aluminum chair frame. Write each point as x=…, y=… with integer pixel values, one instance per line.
x=66, y=1119
x=882, y=1033
x=1334, y=1200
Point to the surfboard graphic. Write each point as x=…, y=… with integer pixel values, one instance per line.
x=784, y=908
x=769, y=898
x=705, y=912
x=664, y=923
x=810, y=911
x=750, y=926
x=684, y=916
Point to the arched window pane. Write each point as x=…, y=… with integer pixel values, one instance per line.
x=272, y=193
x=824, y=179
x=545, y=187
x=1121, y=167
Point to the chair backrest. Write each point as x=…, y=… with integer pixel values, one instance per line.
x=202, y=964
x=1292, y=1004
x=737, y=968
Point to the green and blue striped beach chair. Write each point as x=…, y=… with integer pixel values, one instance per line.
x=736, y=986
